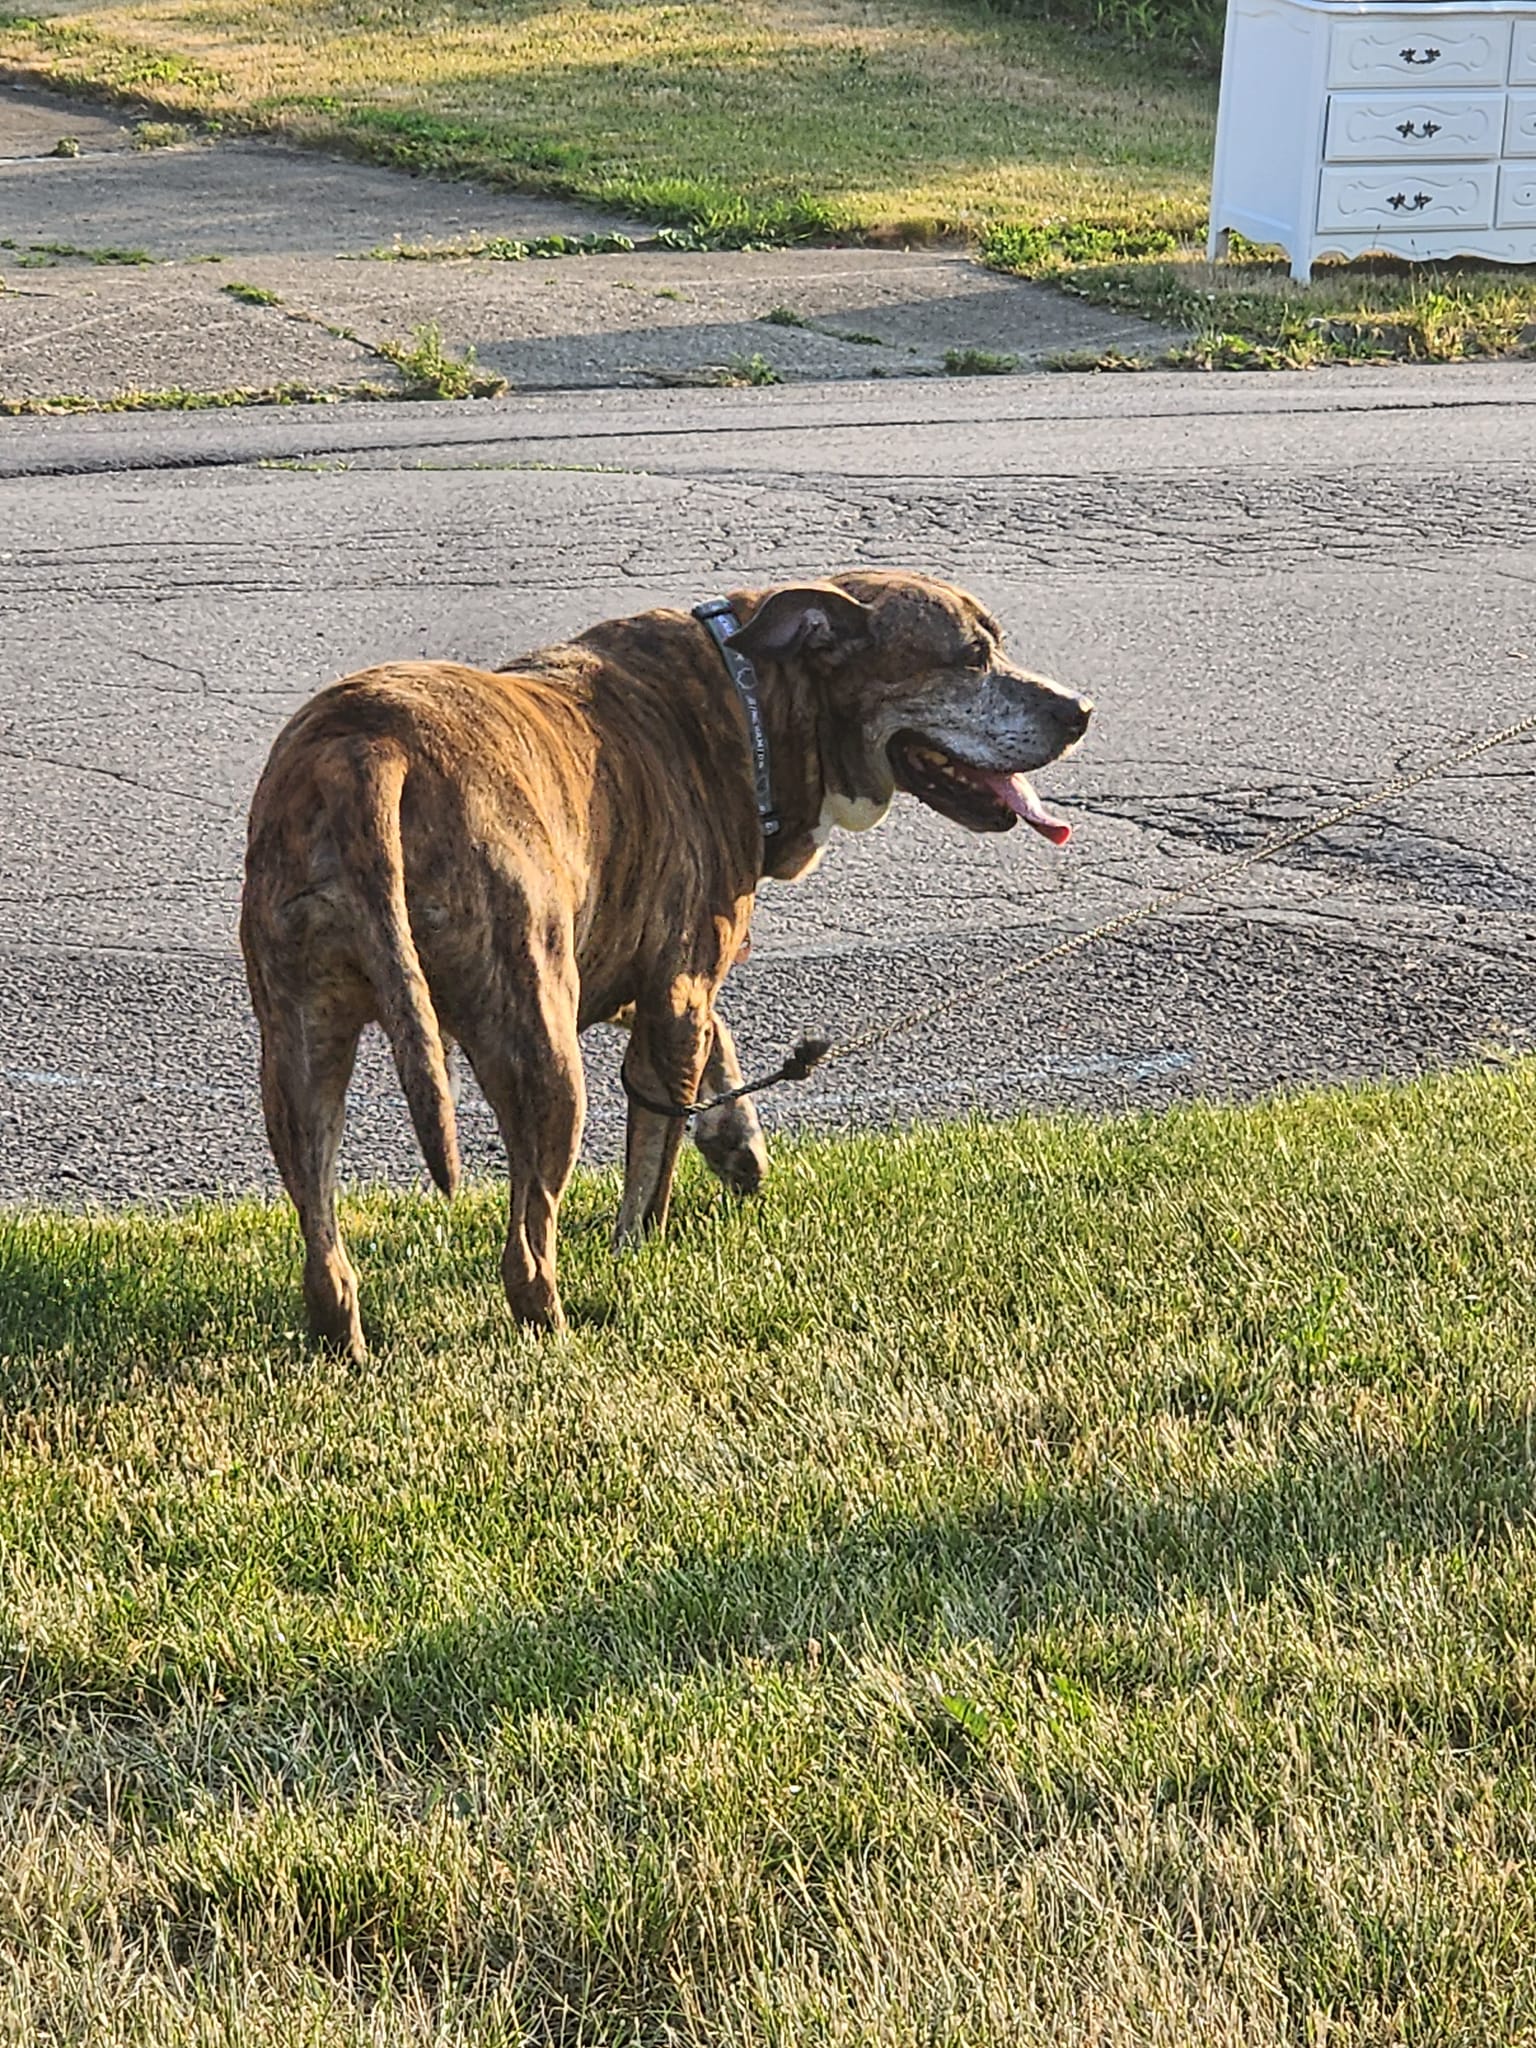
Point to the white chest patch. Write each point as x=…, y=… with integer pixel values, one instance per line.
x=848, y=813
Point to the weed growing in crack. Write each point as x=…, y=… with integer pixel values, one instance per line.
x=752, y=369
x=163, y=134
x=432, y=372
x=40, y=250
x=978, y=362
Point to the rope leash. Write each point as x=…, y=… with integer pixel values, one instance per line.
x=807, y=1055
x=811, y=1053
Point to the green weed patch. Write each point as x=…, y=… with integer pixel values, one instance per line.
x=433, y=371
x=176, y=398
x=1249, y=313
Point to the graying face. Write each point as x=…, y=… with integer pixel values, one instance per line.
x=952, y=721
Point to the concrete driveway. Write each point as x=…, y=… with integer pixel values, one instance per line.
x=1279, y=590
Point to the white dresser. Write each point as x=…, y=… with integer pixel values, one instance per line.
x=1350, y=128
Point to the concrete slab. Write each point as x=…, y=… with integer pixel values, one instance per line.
x=106, y=333
x=238, y=198
x=660, y=317
x=32, y=124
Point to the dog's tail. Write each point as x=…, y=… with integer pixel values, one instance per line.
x=363, y=802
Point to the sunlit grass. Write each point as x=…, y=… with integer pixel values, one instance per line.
x=911, y=118
x=1250, y=313
x=1049, y=1582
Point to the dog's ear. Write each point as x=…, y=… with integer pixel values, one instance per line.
x=806, y=618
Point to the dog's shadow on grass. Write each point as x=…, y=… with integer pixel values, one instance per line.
x=85, y=1301
x=84, y=1307
x=1004, y=1568
x=1070, y=1578
x=998, y=1570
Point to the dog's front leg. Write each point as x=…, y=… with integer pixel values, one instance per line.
x=665, y=1061
x=731, y=1139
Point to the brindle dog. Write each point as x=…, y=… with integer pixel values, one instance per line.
x=502, y=859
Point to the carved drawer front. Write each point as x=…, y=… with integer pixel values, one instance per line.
x=1376, y=127
x=1407, y=197
x=1419, y=51
x=1517, y=196
x=1522, y=62
x=1520, y=125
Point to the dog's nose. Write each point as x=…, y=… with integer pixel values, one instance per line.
x=1072, y=715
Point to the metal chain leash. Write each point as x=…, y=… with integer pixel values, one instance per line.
x=811, y=1053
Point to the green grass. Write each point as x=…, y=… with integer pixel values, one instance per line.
x=163, y=134
x=177, y=398
x=752, y=369
x=731, y=122
x=1060, y=1582
x=1188, y=29
x=978, y=362
x=502, y=249
x=65, y=250
x=1249, y=313
x=429, y=370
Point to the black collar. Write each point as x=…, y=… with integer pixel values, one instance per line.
x=723, y=624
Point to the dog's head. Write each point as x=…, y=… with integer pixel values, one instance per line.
x=913, y=691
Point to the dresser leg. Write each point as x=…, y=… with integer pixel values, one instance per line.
x=1217, y=244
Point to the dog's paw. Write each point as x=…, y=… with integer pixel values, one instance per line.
x=330, y=1297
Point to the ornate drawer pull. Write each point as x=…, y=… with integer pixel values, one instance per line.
x=1407, y=130
x=1413, y=57
x=1416, y=204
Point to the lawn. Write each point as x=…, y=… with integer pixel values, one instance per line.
x=1249, y=313
x=914, y=118
x=1059, y=1582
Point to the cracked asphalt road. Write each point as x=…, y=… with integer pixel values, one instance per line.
x=1279, y=590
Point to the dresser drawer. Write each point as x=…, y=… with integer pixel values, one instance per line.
x=1387, y=127
x=1522, y=61
x=1459, y=50
x=1407, y=196
x=1517, y=196
x=1520, y=125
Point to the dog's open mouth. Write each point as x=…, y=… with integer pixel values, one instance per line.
x=980, y=799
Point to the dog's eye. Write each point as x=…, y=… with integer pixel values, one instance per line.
x=978, y=654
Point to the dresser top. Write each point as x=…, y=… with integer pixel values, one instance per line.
x=1416, y=10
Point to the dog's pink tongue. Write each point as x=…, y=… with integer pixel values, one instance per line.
x=1016, y=792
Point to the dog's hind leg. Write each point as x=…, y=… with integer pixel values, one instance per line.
x=306, y=1062
x=527, y=1060
x=731, y=1139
